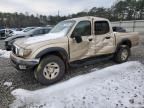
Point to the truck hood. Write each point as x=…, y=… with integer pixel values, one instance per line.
x=38, y=39
x=45, y=37
x=14, y=37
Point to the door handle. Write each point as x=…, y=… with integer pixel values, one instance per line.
x=107, y=37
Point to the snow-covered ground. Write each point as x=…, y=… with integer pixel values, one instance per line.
x=4, y=54
x=119, y=86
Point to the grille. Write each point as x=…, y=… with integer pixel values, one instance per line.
x=14, y=49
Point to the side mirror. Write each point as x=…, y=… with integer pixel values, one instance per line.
x=76, y=36
x=78, y=39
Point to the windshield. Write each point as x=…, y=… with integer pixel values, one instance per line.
x=63, y=27
x=28, y=29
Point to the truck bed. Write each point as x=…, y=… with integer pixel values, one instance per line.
x=132, y=36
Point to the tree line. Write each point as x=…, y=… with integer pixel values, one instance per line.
x=121, y=10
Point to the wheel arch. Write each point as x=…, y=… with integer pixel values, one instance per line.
x=61, y=52
x=124, y=42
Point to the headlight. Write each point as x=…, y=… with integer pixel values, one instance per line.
x=24, y=52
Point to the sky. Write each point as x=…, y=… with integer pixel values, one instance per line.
x=51, y=7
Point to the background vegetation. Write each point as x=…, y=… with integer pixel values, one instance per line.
x=121, y=10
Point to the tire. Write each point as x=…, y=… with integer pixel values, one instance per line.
x=119, y=56
x=50, y=70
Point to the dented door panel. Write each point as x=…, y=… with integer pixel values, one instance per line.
x=104, y=44
x=82, y=50
x=104, y=38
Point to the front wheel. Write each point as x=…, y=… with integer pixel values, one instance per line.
x=50, y=70
x=122, y=54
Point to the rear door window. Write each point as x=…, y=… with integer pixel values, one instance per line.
x=101, y=27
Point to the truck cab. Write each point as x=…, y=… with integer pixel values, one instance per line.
x=91, y=37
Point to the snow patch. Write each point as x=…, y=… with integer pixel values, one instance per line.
x=8, y=84
x=117, y=86
x=4, y=54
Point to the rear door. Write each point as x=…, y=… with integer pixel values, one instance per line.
x=86, y=48
x=104, y=38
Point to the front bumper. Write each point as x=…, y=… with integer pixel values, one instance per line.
x=23, y=64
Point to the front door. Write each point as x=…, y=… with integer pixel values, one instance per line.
x=86, y=47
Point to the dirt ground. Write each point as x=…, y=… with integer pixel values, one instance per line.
x=26, y=80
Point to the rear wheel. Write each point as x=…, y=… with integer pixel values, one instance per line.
x=122, y=54
x=50, y=70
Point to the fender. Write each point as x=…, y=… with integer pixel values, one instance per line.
x=61, y=51
x=125, y=41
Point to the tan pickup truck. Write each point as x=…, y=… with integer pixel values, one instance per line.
x=69, y=41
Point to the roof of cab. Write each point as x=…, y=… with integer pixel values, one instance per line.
x=88, y=17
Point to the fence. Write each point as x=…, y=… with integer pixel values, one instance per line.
x=135, y=25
